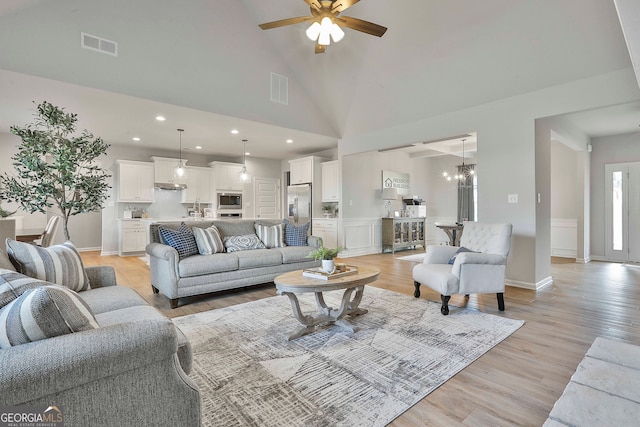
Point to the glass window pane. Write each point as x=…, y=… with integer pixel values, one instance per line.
x=617, y=210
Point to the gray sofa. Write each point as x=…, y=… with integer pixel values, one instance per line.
x=201, y=274
x=131, y=371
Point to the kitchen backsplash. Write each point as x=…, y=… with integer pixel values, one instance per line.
x=167, y=205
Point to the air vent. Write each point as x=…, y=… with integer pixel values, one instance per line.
x=99, y=44
x=279, y=88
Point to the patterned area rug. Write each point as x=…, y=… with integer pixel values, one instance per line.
x=250, y=375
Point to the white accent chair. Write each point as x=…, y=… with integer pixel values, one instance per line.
x=480, y=271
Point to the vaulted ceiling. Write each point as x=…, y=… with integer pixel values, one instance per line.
x=206, y=65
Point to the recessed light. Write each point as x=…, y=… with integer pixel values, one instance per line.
x=135, y=138
x=247, y=153
x=198, y=147
x=160, y=118
x=235, y=131
x=289, y=141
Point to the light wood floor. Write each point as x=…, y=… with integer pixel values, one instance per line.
x=515, y=383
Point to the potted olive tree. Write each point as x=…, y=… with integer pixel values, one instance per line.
x=327, y=256
x=55, y=168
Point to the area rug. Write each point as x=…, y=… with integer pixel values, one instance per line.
x=250, y=375
x=415, y=257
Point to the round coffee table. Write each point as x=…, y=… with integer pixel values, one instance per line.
x=294, y=282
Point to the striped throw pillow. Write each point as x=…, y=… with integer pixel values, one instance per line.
x=14, y=284
x=182, y=241
x=45, y=312
x=208, y=240
x=59, y=264
x=272, y=236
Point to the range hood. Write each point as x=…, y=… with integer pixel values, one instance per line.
x=169, y=186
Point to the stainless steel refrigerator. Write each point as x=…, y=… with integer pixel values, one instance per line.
x=299, y=204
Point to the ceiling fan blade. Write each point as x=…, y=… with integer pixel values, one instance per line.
x=313, y=4
x=320, y=48
x=340, y=5
x=361, y=25
x=283, y=22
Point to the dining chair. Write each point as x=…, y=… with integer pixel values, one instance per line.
x=49, y=233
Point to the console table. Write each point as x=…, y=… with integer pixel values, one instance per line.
x=403, y=233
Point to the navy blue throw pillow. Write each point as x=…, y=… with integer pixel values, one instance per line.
x=182, y=240
x=295, y=235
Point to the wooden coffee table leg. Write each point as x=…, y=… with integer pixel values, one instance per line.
x=348, y=307
x=309, y=322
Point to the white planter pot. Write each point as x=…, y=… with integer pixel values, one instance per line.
x=328, y=265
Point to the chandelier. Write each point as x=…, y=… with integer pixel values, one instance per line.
x=463, y=172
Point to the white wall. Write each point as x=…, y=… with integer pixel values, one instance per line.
x=507, y=155
x=564, y=189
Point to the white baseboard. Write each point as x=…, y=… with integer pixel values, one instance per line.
x=88, y=249
x=107, y=253
x=530, y=285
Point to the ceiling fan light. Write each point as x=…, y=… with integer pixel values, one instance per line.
x=324, y=39
x=336, y=33
x=313, y=31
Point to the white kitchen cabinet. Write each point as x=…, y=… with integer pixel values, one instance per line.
x=165, y=168
x=301, y=170
x=198, y=181
x=135, y=181
x=133, y=237
x=226, y=176
x=327, y=229
x=330, y=181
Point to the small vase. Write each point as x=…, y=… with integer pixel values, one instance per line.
x=328, y=266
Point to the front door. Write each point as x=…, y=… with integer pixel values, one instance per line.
x=622, y=184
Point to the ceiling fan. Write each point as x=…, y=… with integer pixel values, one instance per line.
x=326, y=22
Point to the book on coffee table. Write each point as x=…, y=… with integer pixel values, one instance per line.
x=319, y=273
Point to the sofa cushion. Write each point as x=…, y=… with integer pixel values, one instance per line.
x=293, y=254
x=207, y=264
x=208, y=240
x=14, y=284
x=295, y=235
x=234, y=227
x=271, y=235
x=243, y=243
x=44, y=312
x=59, y=264
x=258, y=258
x=182, y=240
x=110, y=298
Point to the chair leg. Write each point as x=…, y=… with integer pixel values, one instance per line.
x=500, y=296
x=155, y=290
x=445, y=304
x=174, y=302
x=416, y=293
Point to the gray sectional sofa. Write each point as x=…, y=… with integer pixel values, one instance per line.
x=201, y=274
x=132, y=370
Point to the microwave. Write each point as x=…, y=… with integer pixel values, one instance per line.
x=229, y=200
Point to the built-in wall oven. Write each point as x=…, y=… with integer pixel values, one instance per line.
x=229, y=201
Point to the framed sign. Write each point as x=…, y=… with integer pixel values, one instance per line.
x=397, y=180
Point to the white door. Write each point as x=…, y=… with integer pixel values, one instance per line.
x=622, y=184
x=267, y=197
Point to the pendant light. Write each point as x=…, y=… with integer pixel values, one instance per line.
x=179, y=171
x=244, y=174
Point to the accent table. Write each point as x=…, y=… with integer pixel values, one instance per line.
x=294, y=282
